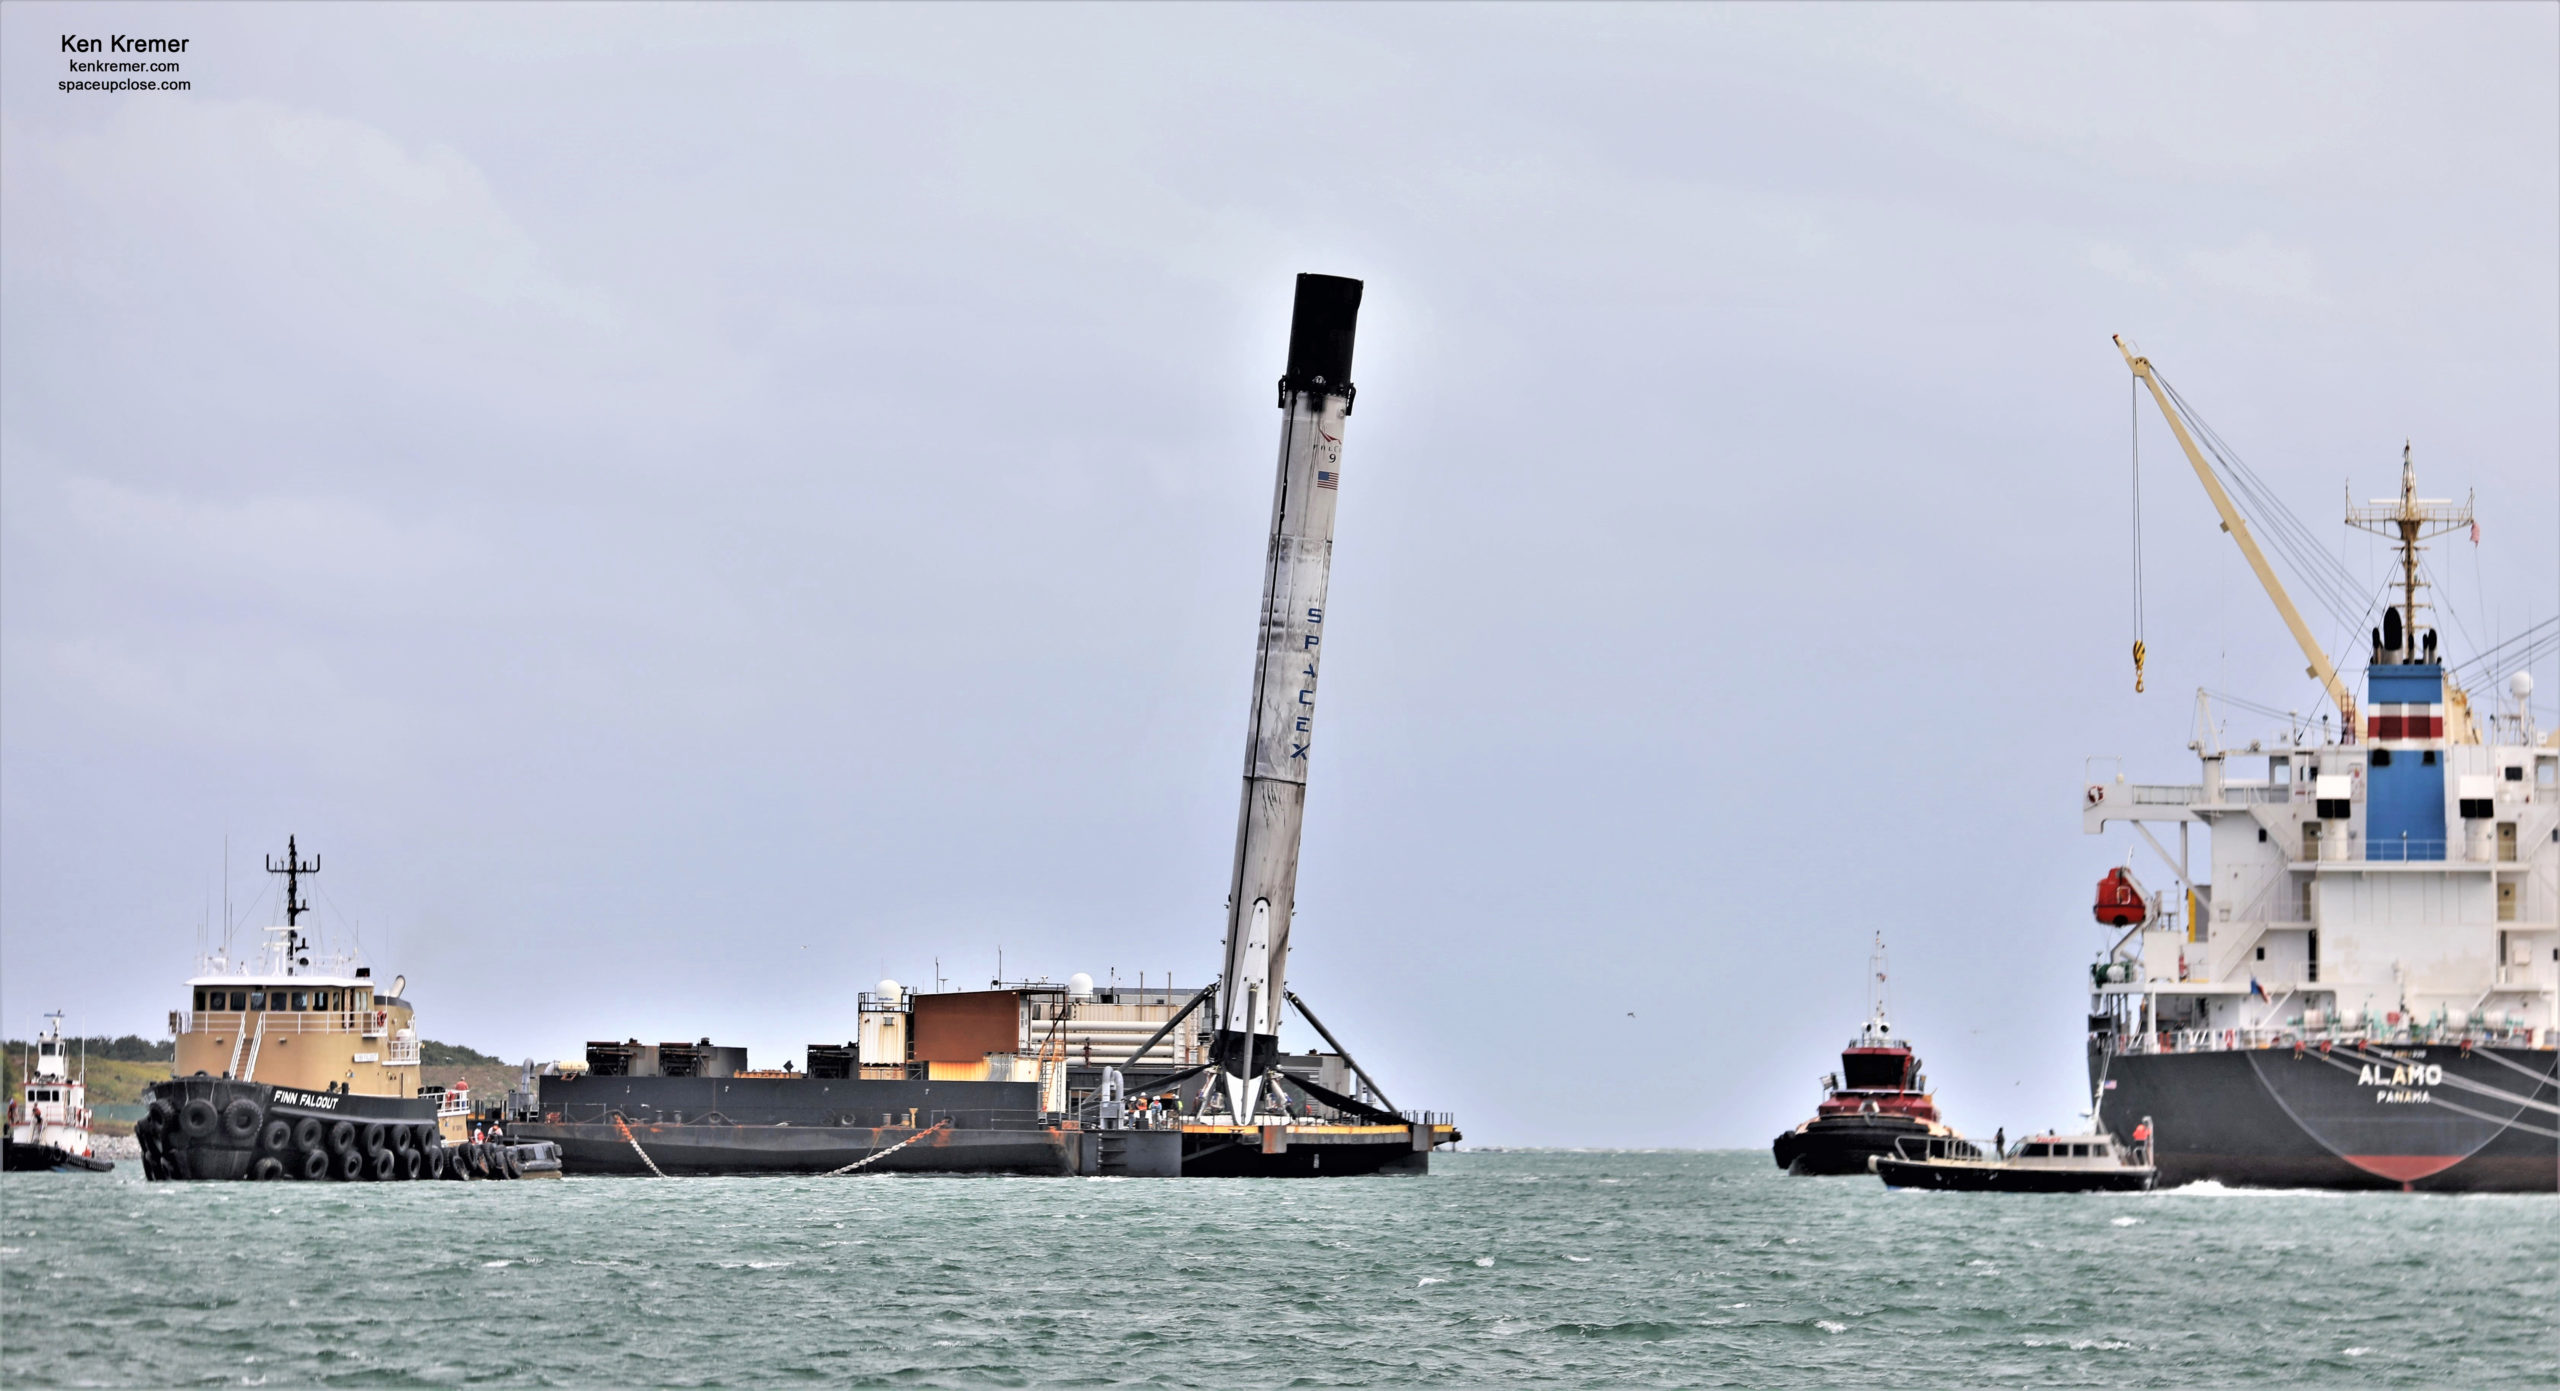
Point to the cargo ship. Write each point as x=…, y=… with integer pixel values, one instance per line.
x=49, y=1121
x=292, y=1063
x=1064, y=1078
x=2362, y=988
x=1878, y=1098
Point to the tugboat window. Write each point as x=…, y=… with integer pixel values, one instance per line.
x=257, y=999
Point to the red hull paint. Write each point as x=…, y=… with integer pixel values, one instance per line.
x=2404, y=1168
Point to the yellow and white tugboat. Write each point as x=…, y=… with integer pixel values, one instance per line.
x=49, y=1125
x=296, y=1064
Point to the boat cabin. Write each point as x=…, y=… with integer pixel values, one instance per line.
x=284, y=1022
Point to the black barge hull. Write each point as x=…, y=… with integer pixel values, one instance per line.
x=2423, y=1117
x=695, y=1149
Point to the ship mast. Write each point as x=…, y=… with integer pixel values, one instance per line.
x=295, y=905
x=1876, y=1021
x=2408, y=520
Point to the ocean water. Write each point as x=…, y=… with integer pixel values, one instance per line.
x=1618, y=1269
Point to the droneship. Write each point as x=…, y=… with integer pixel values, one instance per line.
x=1040, y=1078
x=2363, y=990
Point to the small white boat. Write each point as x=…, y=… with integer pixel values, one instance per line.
x=49, y=1125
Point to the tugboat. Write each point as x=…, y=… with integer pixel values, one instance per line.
x=49, y=1126
x=1878, y=1097
x=296, y=1065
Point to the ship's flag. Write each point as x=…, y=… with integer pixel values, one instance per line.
x=1328, y=480
x=2475, y=533
x=2256, y=990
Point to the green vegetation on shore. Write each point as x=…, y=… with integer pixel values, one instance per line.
x=132, y=1048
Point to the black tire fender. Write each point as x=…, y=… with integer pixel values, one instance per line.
x=412, y=1164
x=434, y=1157
x=514, y=1163
x=350, y=1165
x=267, y=1168
x=241, y=1119
x=307, y=1133
x=312, y=1165
x=382, y=1164
x=342, y=1135
x=277, y=1138
x=197, y=1119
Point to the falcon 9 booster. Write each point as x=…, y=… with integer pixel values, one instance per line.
x=1316, y=395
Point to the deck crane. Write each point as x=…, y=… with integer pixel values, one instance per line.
x=2233, y=522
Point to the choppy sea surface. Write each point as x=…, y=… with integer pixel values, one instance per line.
x=1618, y=1269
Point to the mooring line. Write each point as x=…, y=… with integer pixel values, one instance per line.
x=893, y=1149
x=625, y=1128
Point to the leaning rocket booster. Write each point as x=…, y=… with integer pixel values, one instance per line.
x=1316, y=396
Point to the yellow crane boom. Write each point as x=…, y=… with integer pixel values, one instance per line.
x=2239, y=528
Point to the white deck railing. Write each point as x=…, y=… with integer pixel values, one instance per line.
x=2241, y=1040
x=368, y=1023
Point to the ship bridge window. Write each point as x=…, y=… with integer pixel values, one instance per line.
x=2038, y=1151
x=257, y=999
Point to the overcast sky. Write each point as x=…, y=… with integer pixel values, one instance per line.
x=691, y=510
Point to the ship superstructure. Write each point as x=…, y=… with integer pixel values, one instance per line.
x=2360, y=985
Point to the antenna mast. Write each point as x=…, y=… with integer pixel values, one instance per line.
x=293, y=869
x=1875, y=983
x=2400, y=641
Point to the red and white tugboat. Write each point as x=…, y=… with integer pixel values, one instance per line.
x=1878, y=1097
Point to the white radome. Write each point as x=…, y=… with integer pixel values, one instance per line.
x=889, y=991
x=1080, y=985
x=2521, y=684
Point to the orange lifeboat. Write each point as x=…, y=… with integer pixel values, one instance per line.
x=2121, y=902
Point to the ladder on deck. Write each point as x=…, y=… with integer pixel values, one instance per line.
x=249, y=1044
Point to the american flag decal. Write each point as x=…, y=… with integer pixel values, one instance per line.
x=1328, y=480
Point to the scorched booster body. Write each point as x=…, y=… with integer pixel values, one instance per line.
x=1316, y=396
